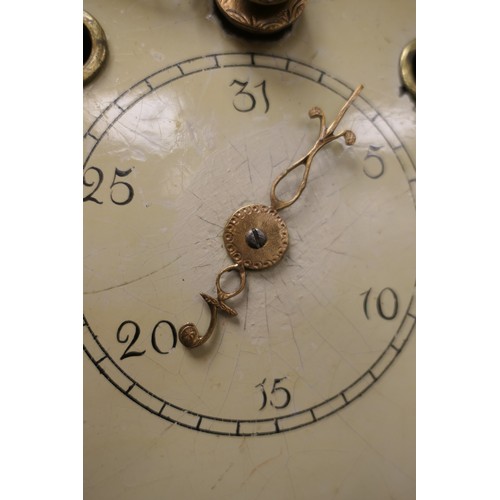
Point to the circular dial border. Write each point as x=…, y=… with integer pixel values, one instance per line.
x=297, y=419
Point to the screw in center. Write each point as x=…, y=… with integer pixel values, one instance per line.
x=256, y=238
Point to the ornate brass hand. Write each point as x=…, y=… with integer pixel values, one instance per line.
x=326, y=135
x=188, y=333
x=255, y=236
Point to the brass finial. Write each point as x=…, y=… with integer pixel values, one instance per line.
x=262, y=17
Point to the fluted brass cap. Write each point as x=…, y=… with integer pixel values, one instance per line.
x=262, y=16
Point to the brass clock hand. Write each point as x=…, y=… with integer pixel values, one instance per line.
x=255, y=236
x=326, y=135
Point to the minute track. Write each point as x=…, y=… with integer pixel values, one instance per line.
x=160, y=405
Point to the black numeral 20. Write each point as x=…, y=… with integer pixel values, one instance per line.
x=130, y=340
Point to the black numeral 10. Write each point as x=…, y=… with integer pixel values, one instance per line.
x=386, y=303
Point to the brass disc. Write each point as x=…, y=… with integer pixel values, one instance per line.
x=261, y=19
x=256, y=219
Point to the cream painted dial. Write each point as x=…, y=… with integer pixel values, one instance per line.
x=188, y=140
x=321, y=327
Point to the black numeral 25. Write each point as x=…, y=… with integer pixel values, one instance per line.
x=120, y=192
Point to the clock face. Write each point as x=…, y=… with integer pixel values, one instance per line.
x=168, y=159
x=315, y=332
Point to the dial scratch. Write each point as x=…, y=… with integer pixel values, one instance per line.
x=210, y=222
x=221, y=477
x=135, y=280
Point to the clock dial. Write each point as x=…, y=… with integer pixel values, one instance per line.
x=316, y=331
x=321, y=353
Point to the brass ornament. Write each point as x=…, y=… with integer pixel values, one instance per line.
x=261, y=16
x=268, y=2
x=247, y=221
x=255, y=236
x=407, y=64
x=188, y=333
x=326, y=135
x=93, y=32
